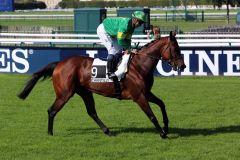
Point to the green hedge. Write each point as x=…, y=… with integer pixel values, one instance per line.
x=140, y=3
x=111, y=4
x=29, y=5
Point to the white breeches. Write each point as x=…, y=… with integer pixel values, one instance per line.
x=109, y=42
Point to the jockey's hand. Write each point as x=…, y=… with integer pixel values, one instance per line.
x=129, y=51
x=134, y=51
x=124, y=52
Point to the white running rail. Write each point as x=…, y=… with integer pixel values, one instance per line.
x=71, y=16
x=186, y=40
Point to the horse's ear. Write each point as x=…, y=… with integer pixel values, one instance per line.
x=172, y=35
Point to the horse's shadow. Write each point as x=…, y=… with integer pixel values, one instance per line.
x=187, y=132
x=180, y=132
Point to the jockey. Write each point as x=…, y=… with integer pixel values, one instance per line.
x=115, y=34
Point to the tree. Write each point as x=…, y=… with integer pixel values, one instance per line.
x=228, y=3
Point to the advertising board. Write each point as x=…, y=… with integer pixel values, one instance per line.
x=200, y=61
x=6, y=5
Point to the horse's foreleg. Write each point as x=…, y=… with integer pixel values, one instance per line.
x=152, y=98
x=144, y=105
x=90, y=105
x=53, y=110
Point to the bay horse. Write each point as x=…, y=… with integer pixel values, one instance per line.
x=73, y=75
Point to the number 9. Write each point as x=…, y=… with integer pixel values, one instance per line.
x=94, y=72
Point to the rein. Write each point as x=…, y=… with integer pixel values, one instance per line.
x=153, y=57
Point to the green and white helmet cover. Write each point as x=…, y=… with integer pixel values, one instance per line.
x=139, y=15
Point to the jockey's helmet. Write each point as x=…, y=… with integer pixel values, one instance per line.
x=139, y=15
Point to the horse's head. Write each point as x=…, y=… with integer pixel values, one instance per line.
x=172, y=54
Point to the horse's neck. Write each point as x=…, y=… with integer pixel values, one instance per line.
x=147, y=58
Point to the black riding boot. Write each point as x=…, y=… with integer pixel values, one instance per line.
x=111, y=68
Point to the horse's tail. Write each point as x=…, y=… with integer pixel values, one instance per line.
x=46, y=72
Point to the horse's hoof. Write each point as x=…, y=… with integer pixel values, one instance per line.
x=50, y=133
x=165, y=129
x=163, y=135
x=107, y=132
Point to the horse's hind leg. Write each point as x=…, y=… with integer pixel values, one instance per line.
x=152, y=98
x=87, y=97
x=53, y=110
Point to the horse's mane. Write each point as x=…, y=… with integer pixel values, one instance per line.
x=152, y=43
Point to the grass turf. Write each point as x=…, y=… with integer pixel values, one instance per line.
x=203, y=113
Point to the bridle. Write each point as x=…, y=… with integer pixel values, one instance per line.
x=157, y=58
x=172, y=60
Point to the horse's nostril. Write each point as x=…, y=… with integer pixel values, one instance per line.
x=182, y=67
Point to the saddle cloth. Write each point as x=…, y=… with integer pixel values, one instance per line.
x=99, y=70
